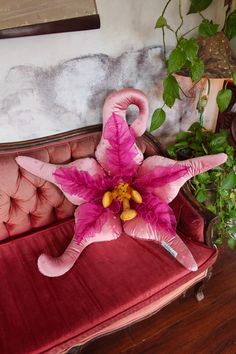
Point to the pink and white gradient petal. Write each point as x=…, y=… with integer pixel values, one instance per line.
x=57, y=266
x=46, y=171
x=117, y=104
x=194, y=167
x=117, y=151
x=140, y=229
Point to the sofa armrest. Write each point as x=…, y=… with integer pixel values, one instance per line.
x=193, y=220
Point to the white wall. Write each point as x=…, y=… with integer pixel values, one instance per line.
x=47, y=86
x=125, y=24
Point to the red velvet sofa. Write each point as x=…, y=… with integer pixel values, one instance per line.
x=110, y=286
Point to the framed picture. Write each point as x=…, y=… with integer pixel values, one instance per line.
x=29, y=17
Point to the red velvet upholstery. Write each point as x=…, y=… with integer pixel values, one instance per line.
x=108, y=281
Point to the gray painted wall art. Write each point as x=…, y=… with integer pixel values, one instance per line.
x=40, y=101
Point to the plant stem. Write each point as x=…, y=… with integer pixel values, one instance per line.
x=208, y=87
x=185, y=93
x=181, y=18
x=163, y=30
x=183, y=35
x=164, y=43
x=201, y=118
x=164, y=10
x=200, y=14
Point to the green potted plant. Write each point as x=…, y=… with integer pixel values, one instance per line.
x=215, y=189
x=207, y=59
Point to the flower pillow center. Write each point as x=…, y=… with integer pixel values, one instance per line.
x=123, y=192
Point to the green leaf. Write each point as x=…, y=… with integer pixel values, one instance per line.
x=232, y=214
x=196, y=147
x=171, y=151
x=181, y=145
x=218, y=241
x=229, y=181
x=182, y=136
x=233, y=229
x=223, y=99
x=231, y=243
x=212, y=208
x=158, y=119
x=171, y=90
x=201, y=196
x=230, y=25
x=176, y=60
x=190, y=48
x=199, y=136
x=234, y=77
x=197, y=69
x=207, y=28
x=161, y=22
x=218, y=141
x=198, y=5
x=195, y=126
x=204, y=177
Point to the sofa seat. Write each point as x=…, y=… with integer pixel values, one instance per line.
x=38, y=314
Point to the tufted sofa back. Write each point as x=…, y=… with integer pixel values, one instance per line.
x=28, y=202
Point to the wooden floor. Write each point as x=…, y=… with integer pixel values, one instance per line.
x=185, y=326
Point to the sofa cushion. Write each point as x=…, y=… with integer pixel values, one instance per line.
x=38, y=313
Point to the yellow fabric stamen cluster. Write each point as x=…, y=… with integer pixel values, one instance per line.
x=123, y=193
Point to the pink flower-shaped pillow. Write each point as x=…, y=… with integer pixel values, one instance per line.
x=119, y=191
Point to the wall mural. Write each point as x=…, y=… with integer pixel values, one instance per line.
x=39, y=101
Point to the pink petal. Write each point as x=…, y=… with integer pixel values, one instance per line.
x=157, y=213
x=193, y=167
x=93, y=220
x=160, y=176
x=57, y=266
x=117, y=151
x=81, y=184
x=46, y=171
x=138, y=228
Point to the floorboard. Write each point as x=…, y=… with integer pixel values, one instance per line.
x=185, y=326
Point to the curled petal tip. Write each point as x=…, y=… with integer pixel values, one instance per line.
x=53, y=267
x=224, y=157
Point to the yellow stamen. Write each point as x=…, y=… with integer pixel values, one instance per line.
x=123, y=193
x=126, y=204
x=128, y=214
x=107, y=199
x=136, y=196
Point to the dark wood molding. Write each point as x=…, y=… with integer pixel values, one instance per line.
x=50, y=139
x=69, y=25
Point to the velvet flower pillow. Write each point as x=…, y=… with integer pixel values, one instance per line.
x=120, y=191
